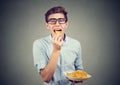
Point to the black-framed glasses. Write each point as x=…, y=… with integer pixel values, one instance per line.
x=54, y=20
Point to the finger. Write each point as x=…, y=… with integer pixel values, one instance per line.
x=54, y=39
x=59, y=38
x=61, y=42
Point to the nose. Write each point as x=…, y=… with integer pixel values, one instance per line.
x=57, y=23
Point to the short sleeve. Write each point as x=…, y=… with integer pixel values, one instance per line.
x=39, y=55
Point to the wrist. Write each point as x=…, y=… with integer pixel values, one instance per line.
x=56, y=51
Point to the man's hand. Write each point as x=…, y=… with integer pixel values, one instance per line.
x=57, y=42
x=77, y=81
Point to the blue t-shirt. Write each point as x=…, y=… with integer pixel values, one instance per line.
x=69, y=59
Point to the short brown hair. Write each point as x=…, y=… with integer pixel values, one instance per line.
x=57, y=9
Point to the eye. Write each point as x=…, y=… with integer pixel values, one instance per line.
x=52, y=21
x=62, y=20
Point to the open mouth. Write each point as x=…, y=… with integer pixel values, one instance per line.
x=58, y=32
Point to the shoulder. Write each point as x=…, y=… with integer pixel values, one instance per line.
x=73, y=41
x=41, y=41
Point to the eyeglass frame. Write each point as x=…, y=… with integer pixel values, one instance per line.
x=59, y=21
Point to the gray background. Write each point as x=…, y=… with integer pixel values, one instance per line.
x=95, y=23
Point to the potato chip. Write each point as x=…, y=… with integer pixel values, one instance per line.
x=57, y=32
x=77, y=74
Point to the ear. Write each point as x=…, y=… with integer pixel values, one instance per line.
x=46, y=25
x=67, y=24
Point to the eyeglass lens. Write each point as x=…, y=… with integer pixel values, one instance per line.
x=54, y=20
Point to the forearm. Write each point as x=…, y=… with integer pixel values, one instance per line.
x=49, y=69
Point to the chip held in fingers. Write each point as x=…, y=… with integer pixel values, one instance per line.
x=58, y=32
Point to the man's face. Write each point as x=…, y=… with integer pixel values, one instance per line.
x=56, y=24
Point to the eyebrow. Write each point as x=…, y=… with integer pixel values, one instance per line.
x=55, y=18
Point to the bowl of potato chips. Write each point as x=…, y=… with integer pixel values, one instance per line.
x=77, y=75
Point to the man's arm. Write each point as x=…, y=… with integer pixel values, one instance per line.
x=48, y=71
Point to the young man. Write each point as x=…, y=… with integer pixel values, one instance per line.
x=56, y=53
